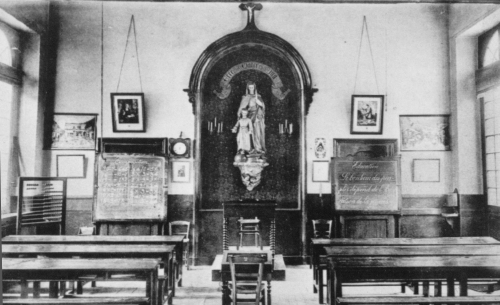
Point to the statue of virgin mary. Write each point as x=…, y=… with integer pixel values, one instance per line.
x=253, y=103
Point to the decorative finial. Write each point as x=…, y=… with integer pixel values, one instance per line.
x=250, y=8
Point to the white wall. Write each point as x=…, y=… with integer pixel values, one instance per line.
x=409, y=43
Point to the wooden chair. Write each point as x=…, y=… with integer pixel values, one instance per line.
x=246, y=279
x=250, y=227
x=322, y=229
x=180, y=227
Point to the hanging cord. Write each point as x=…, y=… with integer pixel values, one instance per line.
x=102, y=80
x=130, y=28
x=365, y=25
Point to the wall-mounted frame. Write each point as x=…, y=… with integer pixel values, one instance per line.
x=128, y=112
x=321, y=171
x=72, y=131
x=181, y=171
x=367, y=148
x=425, y=132
x=70, y=166
x=426, y=170
x=367, y=114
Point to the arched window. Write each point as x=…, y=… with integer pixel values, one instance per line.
x=489, y=47
x=5, y=50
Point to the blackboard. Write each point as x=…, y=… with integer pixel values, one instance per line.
x=367, y=184
x=130, y=188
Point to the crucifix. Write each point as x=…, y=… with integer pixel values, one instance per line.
x=250, y=8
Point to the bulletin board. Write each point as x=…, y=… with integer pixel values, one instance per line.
x=130, y=188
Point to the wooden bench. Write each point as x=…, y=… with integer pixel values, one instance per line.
x=72, y=301
x=418, y=300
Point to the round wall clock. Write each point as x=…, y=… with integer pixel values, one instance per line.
x=179, y=148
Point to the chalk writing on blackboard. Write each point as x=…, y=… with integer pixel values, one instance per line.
x=366, y=184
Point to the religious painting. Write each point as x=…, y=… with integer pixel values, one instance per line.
x=425, y=132
x=128, y=112
x=367, y=113
x=320, y=148
x=72, y=131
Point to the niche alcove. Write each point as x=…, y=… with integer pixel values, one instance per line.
x=218, y=82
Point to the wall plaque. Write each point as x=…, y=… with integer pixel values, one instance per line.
x=367, y=184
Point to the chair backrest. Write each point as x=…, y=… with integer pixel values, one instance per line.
x=179, y=227
x=247, y=268
x=322, y=228
x=86, y=231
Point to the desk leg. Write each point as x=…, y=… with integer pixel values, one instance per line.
x=62, y=288
x=24, y=289
x=320, y=285
x=36, y=289
x=224, y=293
x=53, y=289
x=463, y=285
x=269, y=290
x=171, y=277
x=425, y=288
x=152, y=288
x=180, y=264
x=450, y=286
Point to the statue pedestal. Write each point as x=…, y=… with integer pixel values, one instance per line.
x=251, y=171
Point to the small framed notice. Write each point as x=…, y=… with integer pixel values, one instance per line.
x=71, y=166
x=181, y=171
x=426, y=170
x=321, y=171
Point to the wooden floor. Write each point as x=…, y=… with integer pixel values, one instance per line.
x=200, y=290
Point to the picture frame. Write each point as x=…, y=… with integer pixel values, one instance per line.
x=72, y=131
x=425, y=132
x=321, y=171
x=70, y=166
x=128, y=112
x=367, y=114
x=372, y=148
x=181, y=171
x=426, y=170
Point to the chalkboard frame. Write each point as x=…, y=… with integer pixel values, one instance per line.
x=164, y=177
x=397, y=200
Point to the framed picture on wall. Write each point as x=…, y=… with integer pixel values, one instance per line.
x=70, y=166
x=367, y=114
x=321, y=171
x=128, y=112
x=181, y=171
x=72, y=131
x=426, y=170
x=425, y=132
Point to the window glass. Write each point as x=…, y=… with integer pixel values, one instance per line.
x=5, y=49
x=489, y=48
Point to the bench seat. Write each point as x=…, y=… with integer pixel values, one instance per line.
x=72, y=301
x=480, y=299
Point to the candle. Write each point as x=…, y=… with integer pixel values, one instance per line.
x=221, y=126
x=291, y=128
x=215, y=121
x=211, y=127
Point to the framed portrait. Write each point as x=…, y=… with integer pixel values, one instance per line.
x=321, y=171
x=70, y=166
x=72, y=131
x=425, y=132
x=426, y=170
x=181, y=171
x=128, y=112
x=367, y=114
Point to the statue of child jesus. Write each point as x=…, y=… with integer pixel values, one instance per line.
x=245, y=126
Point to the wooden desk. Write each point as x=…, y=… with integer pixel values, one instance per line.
x=164, y=252
x=176, y=240
x=226, y=272
x=33, y=269
x=349, y=269
x=318, y=246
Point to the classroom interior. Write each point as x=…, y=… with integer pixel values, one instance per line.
x=311, y=138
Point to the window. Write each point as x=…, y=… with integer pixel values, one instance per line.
x=9, y=99
x=489, y=48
